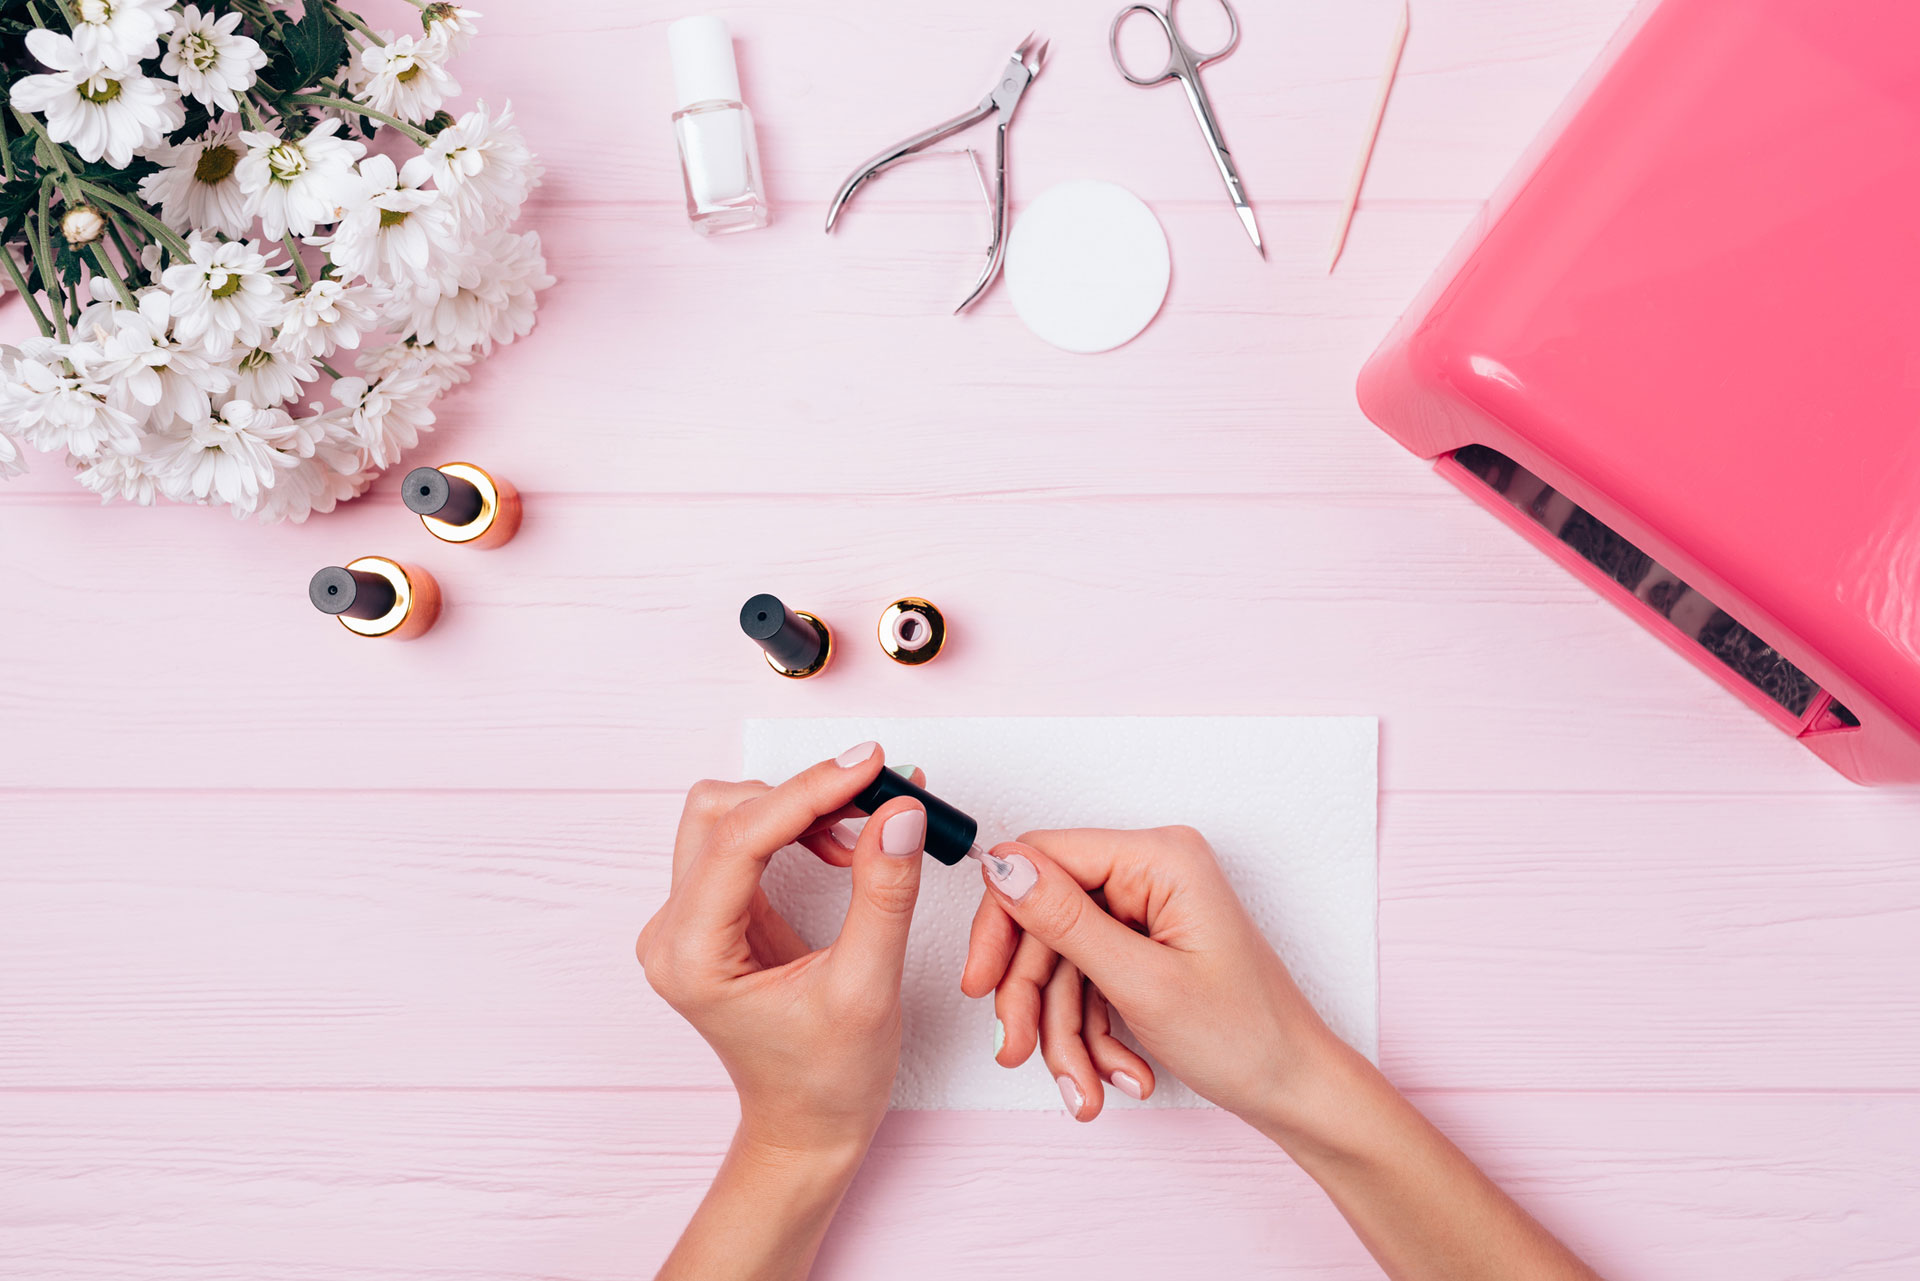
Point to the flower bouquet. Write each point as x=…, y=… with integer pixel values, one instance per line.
x=206, y=206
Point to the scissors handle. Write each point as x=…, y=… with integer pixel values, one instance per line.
x=1183, y=60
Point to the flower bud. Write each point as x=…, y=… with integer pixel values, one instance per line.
x=81, y=225
x=441, y=120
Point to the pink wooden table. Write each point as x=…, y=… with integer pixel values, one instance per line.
x=315, y=954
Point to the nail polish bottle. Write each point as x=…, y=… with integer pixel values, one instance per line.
x=460, y=503
x=912, y=631
x=719, y=156
x=374, y=596
x=797, y=644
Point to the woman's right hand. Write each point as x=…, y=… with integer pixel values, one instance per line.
x=1168, y=943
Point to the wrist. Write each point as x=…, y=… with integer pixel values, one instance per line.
x=1317, y=1105
x=814, y=1161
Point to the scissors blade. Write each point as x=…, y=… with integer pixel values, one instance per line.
x=1222, y=158
x=1253, y=228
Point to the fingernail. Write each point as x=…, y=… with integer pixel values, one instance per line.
x=1070, y=1094
x=1127, y=1085
x=846, y=834
x=999, y=1037
x=854, y=755
x=905, y=833
x=1013, y=875
x=904, y=771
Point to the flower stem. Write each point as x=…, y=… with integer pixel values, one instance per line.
x=159, y=230
x=299, y=268
x=66, y=13
x=129, y=259
x=106, y=265
x=43, y=260
x=352, y=19
x=20, y=285
x=331, y=371
x=6, y=152
x=420, y=136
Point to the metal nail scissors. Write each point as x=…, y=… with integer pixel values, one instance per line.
x=1183, y=64
x=1021, y=70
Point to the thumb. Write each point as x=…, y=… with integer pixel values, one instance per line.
x=1049, y=904
x=886, y=883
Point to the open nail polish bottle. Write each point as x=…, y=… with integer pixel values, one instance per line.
x=460, y=503
x=374, y=596
x=797, y=644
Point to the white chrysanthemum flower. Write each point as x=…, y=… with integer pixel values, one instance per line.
x=329, y=315
x=150, y=374
x=495, y=303
x=395, y=233
x=448, y=368
x=48, y=400
x=483, y=167
x=405, y=77
x=127, y=477
x=104, y=113
x=389, y=416
x=210, y=61
x=295, y=184
x=227, y=457
x=268, y=376
x=13, y=457
x=119, y=33
x=451, y=25
x=196, y=187
x=228, y=295
x=332, y=469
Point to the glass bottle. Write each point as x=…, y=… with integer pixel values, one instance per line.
x=719, y=156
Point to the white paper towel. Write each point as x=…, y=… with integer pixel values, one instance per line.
x=1289, y=804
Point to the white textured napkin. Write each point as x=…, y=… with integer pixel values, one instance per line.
x=1289, y=804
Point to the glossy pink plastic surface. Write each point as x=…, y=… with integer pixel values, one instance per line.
x=1695, y=310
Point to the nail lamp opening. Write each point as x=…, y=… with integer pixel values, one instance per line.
x=1678, y=353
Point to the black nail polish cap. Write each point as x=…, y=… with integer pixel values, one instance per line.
x=950, y=833
x=352, y=592
x=789, y=639
x=428, y=491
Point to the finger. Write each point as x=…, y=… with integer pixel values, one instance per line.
x=708, y=801
x=1112, y=1058
x=990, y=944
x=886, y=883
x=832, y=839
x=1016, y=1002
x=1050, y=904
x=1062, y=1047
x=771, y=939
x=723, y=875
x=833, y=846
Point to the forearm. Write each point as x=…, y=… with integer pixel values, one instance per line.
x=1423, y=1210
x=765, y=1215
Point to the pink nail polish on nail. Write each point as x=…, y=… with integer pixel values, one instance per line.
x=1127, y=1085
x=1013, y=875
x=905, y=833
x=855, y=754
x=1070, y=1094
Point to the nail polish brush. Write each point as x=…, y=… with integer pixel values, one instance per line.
x=950, y=833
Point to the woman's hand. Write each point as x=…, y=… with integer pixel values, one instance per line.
x=1168, y=943
x=810, y=1038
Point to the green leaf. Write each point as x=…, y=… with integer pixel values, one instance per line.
x=316, y=43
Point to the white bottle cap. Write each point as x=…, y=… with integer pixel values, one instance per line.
x=703, y=65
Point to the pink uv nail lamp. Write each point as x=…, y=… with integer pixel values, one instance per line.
x=1680, y=351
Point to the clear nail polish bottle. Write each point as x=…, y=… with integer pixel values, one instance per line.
x=719, y=157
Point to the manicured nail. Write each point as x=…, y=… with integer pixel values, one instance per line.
x=845, y=834
x=905, y=833
x=854, y=755
x=999, y=1037
x=904, y=771
x=1127, y=1085
x=1070, y=1094
x=1012, y=875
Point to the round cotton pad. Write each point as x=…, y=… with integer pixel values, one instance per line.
x=1087, y=266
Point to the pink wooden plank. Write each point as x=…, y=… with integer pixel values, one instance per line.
x=359, y=1185
x=833, y=86
x=1527, y=942
x=784, y=362
x=601, y=648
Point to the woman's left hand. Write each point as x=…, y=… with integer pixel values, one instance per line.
x=810, y=1038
